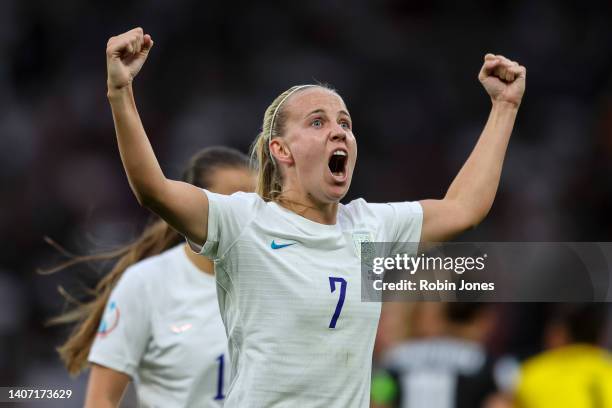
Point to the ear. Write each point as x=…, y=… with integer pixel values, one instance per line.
x=280, y=151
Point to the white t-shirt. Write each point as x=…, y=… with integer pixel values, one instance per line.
x=290, y=297
x=162, y=327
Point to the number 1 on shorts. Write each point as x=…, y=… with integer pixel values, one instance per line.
x=332, y=286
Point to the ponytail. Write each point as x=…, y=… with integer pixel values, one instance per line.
x=268, y=178
x=156, y=238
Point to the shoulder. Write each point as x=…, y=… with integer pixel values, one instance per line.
x=403, y=354
x=360, y=209
x=141, y=274
x=240, y=197
x=356, y=210
x=541, y=363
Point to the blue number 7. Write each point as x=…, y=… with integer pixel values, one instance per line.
x=332, y=286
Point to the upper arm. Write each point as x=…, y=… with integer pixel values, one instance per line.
x=185, y=208
x=105, y=387
x=443, y=220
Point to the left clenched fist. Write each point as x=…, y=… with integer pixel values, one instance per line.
x=503, y=79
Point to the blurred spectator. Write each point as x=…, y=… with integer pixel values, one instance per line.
x=452, y=370
x=575, y=372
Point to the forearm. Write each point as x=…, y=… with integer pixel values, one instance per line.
x=476, y=184
x=101, y=403
x=141, y=166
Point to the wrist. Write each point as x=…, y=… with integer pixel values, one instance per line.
x=505, y=105
x=118, y=92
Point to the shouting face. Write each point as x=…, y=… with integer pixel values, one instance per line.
x=318, y=151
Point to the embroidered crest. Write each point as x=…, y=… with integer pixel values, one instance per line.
x=364, y=252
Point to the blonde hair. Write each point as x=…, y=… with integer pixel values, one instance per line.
x=269, y=180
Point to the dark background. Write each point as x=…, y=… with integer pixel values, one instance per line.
x=406, y=69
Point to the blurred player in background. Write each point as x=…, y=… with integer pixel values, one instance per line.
x=576, y=371
x=452, y=370
x=155, y=318
x=425, y=319
x=286, y=259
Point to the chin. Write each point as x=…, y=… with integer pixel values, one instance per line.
x=336, y=193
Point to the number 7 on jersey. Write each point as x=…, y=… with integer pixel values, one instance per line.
x=332, y=285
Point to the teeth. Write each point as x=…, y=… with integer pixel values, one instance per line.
x=339, y=153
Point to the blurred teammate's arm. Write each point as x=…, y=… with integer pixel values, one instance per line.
x=180, y=204
x=105, y=388
x=471, y=194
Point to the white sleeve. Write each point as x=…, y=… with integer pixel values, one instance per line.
x=125, y=327
x=401, y=222
x=228, y=215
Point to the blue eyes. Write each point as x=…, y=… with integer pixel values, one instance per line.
x=318, y=123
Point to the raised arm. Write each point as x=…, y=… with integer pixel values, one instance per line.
x=180, y=204
x=471, y=194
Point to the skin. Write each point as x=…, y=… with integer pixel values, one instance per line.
x=106, y=386
x=317, y=124
x=227, y=181
x=302, y=152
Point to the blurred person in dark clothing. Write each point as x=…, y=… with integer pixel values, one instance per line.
x=575, y=371
x=401, y=321
x=452, y=370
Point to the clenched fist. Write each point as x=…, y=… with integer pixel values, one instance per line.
x=504, y=80
x=125, y=55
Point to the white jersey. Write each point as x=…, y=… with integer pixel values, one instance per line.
x=290, y=297
x=162, y=327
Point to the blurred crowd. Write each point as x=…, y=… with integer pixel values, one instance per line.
x=407, y=71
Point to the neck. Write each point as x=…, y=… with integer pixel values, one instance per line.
x=305, y=206
x=201, y=262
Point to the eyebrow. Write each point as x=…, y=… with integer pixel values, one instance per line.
x=322, y=111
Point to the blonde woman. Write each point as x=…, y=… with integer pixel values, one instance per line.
x=299, y=335
x=155, y=317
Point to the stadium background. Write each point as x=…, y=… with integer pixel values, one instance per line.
x=407, y=71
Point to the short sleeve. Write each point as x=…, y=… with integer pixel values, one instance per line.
x=402, y=222
x=228, y=216
x=125, y=328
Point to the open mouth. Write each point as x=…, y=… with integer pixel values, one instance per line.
x=337, y=164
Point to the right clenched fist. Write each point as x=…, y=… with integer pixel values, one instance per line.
x=125, y=55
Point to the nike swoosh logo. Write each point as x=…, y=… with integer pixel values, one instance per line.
x=274, y=245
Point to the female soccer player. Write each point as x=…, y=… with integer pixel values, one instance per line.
x=286, y=259
x=156, y=313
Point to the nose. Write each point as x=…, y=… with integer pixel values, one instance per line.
x=338, y=133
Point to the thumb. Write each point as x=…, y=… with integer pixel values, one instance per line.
x=147, y=43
